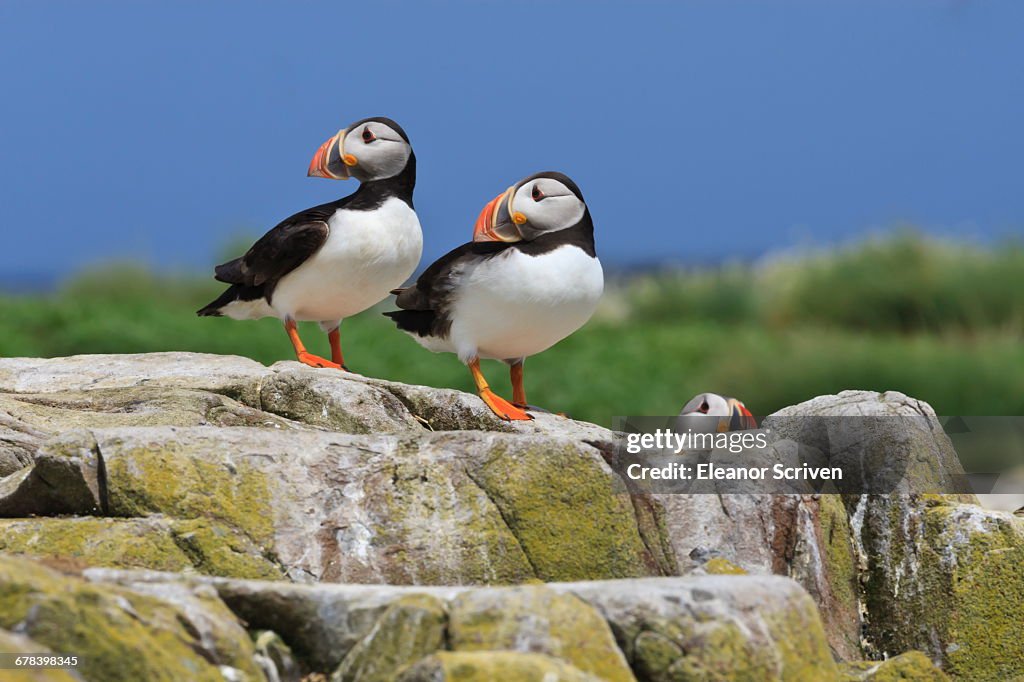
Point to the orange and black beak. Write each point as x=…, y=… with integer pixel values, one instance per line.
x=331, y=161
x=497, y=222
x=741, y=418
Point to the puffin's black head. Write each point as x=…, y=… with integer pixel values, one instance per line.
x=540, y=204
x=371, y=149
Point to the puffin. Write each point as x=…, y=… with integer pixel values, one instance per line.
x=332, y=261
x=529, y=278
x=732, y=414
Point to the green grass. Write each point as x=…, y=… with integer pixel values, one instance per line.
x=937, y=321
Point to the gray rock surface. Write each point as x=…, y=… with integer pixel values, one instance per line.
x=219, y=466
x=728, y=627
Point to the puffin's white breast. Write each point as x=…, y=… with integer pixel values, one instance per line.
x=515, y=305
x=366, y=255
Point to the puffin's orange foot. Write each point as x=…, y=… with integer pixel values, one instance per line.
x=502, y=407
x=317, y=361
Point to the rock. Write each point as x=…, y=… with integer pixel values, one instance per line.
x=709, y=627
x=912, y=666
x=810, y=537
x=410, y=628
x=64, y=479
x=89, y=541
x=146, y=405
x=333, y=400
x=434, y=509
x=168, y=635
x=487, y=666
x=443, y=409
x=229, y=375
x=208, y=465
x=155, y=543
x=872, y=432
x=275, y=657
x=948, y=579
x=18, y=443
x=714, y=627
x=537, y=619
x=186, y=389
x=216, y=549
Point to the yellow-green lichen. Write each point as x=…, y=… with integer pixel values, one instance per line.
x=152, y=543
x=722, y=651
x=840, y=604
x=120, y=635
x=720, y=566
x=439, y=528
x=490, y=666
x=216, y=549
x=983, y=638
x=701, y=642
x=167, y=479
x=912, y=666
x=117, y=543
x=411, y=628
x=564, y=508
x=800, y=641
x=652, y=526
x=950, y=582
x=839, y=553
x=536, y=618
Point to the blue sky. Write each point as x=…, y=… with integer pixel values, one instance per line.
x=697, y=130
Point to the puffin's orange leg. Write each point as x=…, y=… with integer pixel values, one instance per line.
x=518, y=390
x=498, y=405
x=335, y=337
x=303, y=356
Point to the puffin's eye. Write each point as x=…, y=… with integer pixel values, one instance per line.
x=537, y=194
x=704, y=407
x=368, y=135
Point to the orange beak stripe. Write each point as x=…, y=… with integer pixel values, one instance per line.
x=743, y=416
x=320, y=166
x=485, y=229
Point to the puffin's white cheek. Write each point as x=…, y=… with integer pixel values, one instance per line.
x=383, y=159
x=557, y=213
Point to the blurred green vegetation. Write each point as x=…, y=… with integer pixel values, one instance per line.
x=937, y=320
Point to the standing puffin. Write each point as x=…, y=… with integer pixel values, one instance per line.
x=337, y=259
x=529, y=278
x=732, y=414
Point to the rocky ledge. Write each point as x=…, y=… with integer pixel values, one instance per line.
x=181, y=516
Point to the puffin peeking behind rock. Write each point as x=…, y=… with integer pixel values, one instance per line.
x=337, y=259
x=732, y=414
x=529, y=278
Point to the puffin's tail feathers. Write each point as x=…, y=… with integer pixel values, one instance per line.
x=418, y=322
x=234, y=293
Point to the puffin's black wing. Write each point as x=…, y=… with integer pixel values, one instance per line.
x=280, y=250
x=424, y=305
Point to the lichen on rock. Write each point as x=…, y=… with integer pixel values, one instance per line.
x=566, y=508
x=912, y=666
x=219, y=471
x=412, y=627
x=121, y=635
x=89, y=541
x=536, y=619
x=488, y=666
